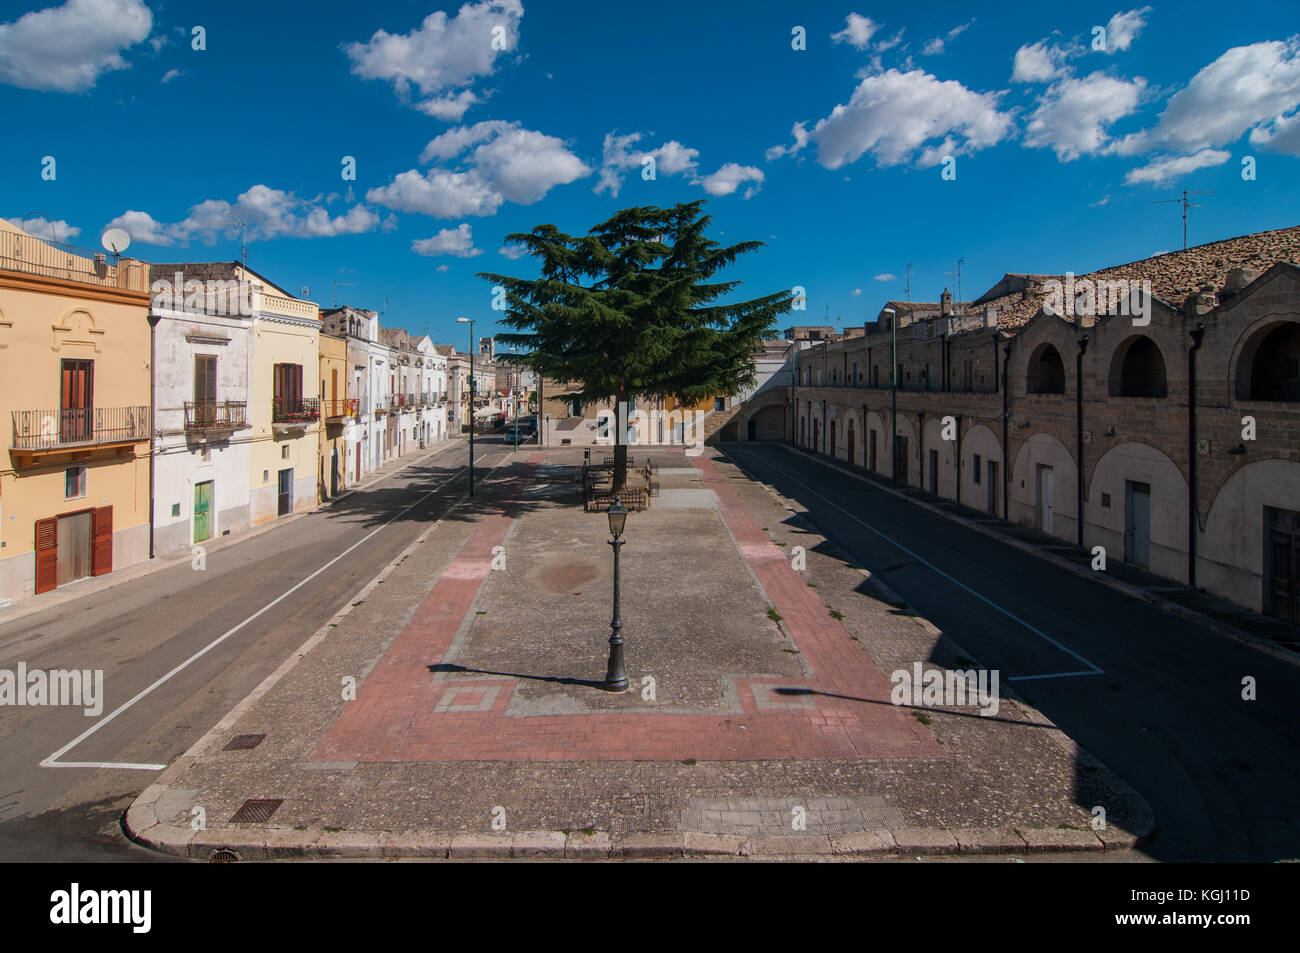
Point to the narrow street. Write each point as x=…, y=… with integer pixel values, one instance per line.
x=1165, y=711
x=180, y=647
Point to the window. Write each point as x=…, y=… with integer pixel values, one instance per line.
x=288, y=389
x=975, y=465
x=1138, y=369
x=74, y=483
x=1046, y=373
x=284, y=452
x=1269, y=366
x=205, y=378
x=719, y=403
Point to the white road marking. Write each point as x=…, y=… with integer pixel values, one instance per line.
x=53, y=762
x=1092, y=669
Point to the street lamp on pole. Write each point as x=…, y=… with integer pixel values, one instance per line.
x=893, y=397
x=470, y=322
x=615, y=673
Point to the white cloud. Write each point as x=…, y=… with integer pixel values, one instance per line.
x=458, y=241
x=170, y=75
x=800, y=134
x=269, y=213
x=855, y=292
x=1165, y=168
x=671, y=158
x=886, y=277
x=857, y=32
x=1123, y=29
x=1245, y=88
x=1040, y=62
x=441, y=57
x=1073, y=116
x=893, y=115
x=56, y=230
x=499, y=162
x=1280, y=135
x=1104, y=200
x=66, y=48
x=890, y=43
x=935, y=47
x=441, y=268
x=730, y=177
x=513, y=252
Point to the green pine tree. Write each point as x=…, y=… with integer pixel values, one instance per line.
x=631, y=310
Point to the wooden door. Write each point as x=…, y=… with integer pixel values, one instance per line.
x=202, y=511
x=102, y=560
x=76, y=403
x=47, y=554
x=1282, y=579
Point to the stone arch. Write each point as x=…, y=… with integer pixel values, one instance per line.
x=1232, y=550
x=981, y=441
x=1045, y=372
x=77, y=328
x=1137, y=369
x=875, y=424
x=1043, y=449
x=1268, y=362
x=1104, y=507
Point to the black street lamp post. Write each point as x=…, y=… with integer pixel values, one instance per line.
x=615, y=673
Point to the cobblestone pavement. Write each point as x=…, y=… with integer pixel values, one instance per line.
x=759, y=720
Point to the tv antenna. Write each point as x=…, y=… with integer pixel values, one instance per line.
x=346, y=284
x=1186, y=205
x=909, y=281
x=243, y=239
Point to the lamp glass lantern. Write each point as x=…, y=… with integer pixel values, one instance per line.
x=617, y=518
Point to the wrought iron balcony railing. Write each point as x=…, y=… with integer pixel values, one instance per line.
x=79, y=427
x=205, y=415
x=340, y=407
x=293, y=410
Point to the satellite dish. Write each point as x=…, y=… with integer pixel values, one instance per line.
x=116, y=240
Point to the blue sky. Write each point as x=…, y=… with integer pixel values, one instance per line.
x=833, y=155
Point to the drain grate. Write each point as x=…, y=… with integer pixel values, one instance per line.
x=256, y=810
x=244, y=742
x=223, y=856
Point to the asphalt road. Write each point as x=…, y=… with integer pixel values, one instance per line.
x=1165, y=711
x=153, y=638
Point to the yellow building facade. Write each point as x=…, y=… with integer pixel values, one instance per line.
x=336, y=410
x=75, y=405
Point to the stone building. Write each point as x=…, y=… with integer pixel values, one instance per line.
x=1164, y=428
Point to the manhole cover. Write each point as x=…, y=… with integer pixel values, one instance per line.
x=256, y=810
x=244, y=742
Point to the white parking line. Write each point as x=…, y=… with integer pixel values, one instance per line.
x=53, y=762
x=1092, y=669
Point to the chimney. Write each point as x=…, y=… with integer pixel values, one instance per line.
x=1239, y=278
x=990, y=317
x=1200, y=302
x=945, y=303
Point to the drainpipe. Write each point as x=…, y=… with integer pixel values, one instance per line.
x=1078, y=432
x=866, y=464
x=1193, y=520
x=1006, y=421
x=957, y=461
x=153, y=422
x=920, y=449
x=822, y=450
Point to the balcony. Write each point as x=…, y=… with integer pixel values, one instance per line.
x=339, y=408
x=208, y=417
x=47, y=259
x=382, y=404
x=48, y=436
x=291, y=415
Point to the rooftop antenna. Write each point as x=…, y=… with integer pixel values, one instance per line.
x=909, y=281
x=243, y=239
x=1186, y=205
x=346, y=284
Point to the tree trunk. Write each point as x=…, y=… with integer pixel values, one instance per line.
x=620, y=441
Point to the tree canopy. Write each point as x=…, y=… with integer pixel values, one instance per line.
x=631, y=308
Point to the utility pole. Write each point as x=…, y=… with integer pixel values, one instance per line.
x=1186, y=205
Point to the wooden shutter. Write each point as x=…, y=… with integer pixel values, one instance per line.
x=101, y=560
x=205, y=378
x=47, y=554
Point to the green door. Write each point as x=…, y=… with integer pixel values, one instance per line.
x=202, y=511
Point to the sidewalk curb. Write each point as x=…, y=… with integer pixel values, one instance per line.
x=284, y=843
x=147, y=567
x=1173, y=608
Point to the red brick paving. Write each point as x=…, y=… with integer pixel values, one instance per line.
x=847, y=713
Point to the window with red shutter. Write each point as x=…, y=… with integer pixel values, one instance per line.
x=47, y=554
